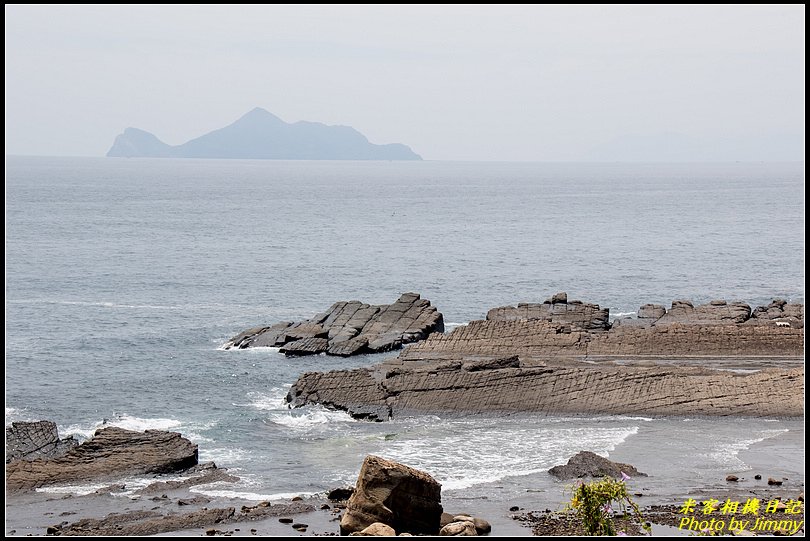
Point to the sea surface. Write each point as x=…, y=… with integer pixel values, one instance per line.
x=125, y=277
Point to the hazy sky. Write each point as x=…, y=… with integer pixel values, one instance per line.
x=454, y=83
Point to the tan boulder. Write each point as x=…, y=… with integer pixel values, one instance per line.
x=462, y=527
x=406, y=499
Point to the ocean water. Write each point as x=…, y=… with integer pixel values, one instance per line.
x=124, y=278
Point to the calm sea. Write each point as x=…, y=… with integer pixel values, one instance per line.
x=124, y=277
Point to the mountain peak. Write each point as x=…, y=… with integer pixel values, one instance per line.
x=259, y=114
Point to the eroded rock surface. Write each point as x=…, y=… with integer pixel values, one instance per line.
x=400, y=387
x=557, y=309
x=349, y=328
x=111, y=452
x=38, y=439
x=666, y=363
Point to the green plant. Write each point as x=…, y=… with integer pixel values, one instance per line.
x=593, y=504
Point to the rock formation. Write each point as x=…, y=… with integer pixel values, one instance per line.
x=111, y=452
x=39, y=439
x=156, y=521
x=588, y=464
x=556, y=309
x=716, y=312
x=396, y=388
x=406, y=499
x=511, y=364
x=349, y=328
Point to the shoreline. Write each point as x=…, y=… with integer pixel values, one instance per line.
x=34, y=512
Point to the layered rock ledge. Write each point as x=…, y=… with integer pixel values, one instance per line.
x=522, y=359
x=111, y=452
x=349, y=328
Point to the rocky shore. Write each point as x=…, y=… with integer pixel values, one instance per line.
x=111, y=453
x=349, y=328
x=565, y=357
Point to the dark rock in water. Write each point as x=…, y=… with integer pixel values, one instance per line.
x=514, y=508
x=404, y=498
x=349, y=328
x=285, y=520
x=111, y=452
x=340, y=494
x=772, y=481
x=38, y=439
x=732, y=478
x=556, y=310
x=588, y=464
x=757, y=477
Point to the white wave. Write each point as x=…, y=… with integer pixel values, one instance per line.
x=251, y=496
x=223, y=456
x=727, y=453
x=498, y=453
x=79, y=490
x=314, y=416
x=104, y=304
x=125, y=421
x=622, y=314
x=131, y=485
x=253, y=350
x=270, y=400
x=449, y=325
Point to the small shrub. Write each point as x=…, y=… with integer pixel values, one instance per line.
x=593, y=503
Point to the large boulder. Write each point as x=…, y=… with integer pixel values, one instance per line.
x=110, y=453
x=460, y=528
x=38, y=439
x=404, y=498
x=349, y=328
x=588, y=464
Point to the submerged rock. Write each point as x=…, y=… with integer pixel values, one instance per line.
x=349, y=328
x=588, y=464
x=111, y=452
x=404, y=498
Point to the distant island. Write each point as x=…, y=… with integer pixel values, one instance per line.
x=262, y=135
